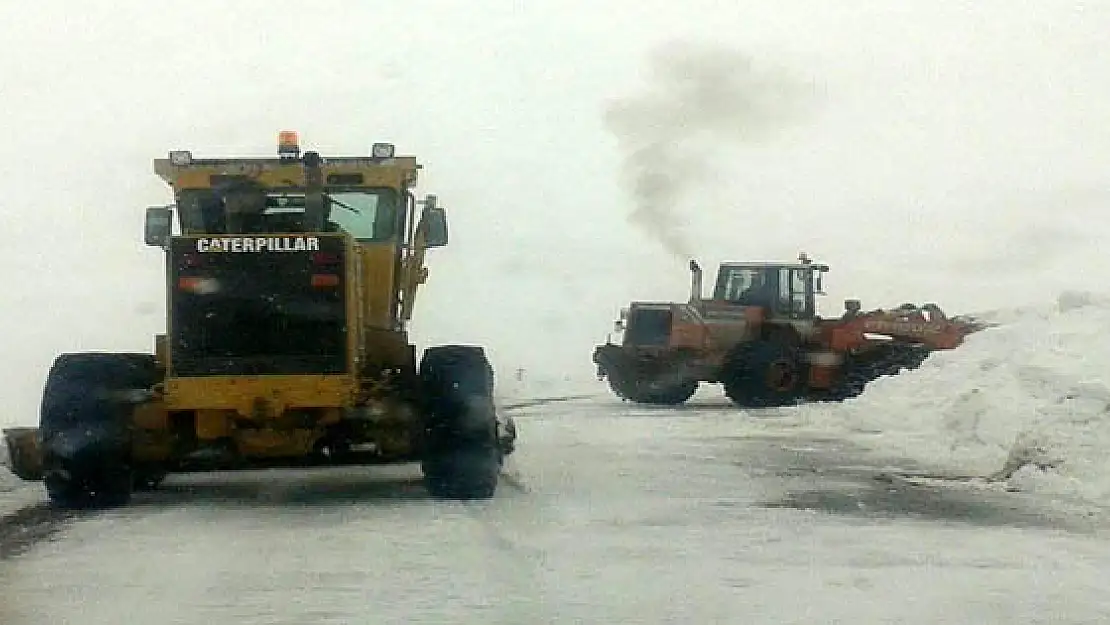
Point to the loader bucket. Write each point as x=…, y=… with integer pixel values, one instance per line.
x=24, y=457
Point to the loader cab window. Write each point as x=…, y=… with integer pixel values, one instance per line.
x=796, y=293
x=749, y=286
x=734, y=282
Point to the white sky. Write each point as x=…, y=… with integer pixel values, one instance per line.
x=954, y=153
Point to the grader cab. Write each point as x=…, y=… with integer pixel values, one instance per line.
x=290, y=284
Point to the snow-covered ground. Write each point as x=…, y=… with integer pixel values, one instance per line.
x=613, y=513
x=15, y=494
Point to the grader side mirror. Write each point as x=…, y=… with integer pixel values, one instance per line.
x=158, y=226
x=435, y=224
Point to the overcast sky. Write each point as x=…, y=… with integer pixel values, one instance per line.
x=947, y=151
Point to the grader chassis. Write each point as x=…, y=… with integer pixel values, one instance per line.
x=289, y=289
x=760, y=337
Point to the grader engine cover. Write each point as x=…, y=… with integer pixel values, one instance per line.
x=258, y=305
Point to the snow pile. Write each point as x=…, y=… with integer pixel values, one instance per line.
x=1032, y=393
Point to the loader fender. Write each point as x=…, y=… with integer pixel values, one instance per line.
x=611, y=360
x=24, y=453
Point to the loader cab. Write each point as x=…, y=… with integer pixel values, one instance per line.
x=786, y=291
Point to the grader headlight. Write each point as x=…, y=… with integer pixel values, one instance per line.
x=181, y=157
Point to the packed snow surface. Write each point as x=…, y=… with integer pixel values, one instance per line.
x=613, y=509
x=1033, y=391
x=614, y=513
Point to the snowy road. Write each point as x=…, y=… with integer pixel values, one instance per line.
x=614, y=514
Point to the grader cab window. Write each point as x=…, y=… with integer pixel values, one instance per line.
x=365, y=214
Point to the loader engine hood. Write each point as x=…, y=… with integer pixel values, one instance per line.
x=258, y=305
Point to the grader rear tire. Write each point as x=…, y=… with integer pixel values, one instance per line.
x=85, y=425
x=463, y=453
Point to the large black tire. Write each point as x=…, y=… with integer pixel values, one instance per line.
x=85, y=422
x=462, y=454
x=653, y=392
x=851, y=380
x=765, y=374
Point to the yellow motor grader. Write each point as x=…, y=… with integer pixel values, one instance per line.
x=290, y=282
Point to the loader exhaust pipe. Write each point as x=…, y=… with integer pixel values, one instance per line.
x=695, y=282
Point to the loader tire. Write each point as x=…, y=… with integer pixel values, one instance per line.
x=85, y=421
x=462, y=450
x=764, y=374
x=852, y=380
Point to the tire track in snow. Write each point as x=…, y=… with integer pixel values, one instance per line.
x=24, y=528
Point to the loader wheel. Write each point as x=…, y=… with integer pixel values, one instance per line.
x=764, y=374
x=85, y=425
x=653, y=391
x=854, y=377
x=463, y=454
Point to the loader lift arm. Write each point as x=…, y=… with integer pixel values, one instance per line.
x=927, y=326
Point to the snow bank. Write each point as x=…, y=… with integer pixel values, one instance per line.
x=1034, y=391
